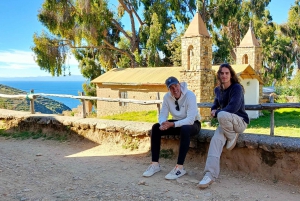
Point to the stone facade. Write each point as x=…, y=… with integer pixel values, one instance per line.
x=253, y=56
x=196, y=52
x=129, y=92
x=196, y=61
x=250, y=55
x=250, y=52
x=201, y=82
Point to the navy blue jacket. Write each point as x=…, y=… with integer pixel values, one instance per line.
x=230, y=100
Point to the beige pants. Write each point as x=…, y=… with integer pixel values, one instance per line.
x=229, y=125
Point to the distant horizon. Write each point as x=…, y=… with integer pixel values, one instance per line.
x=45, y=78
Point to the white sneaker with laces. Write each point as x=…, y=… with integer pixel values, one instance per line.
x=205, y=182
x=151, y=170
x=175, y=173
x=232, y=142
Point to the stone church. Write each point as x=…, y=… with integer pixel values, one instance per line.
x=196, y=70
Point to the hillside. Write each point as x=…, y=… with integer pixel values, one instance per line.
x=41, y=104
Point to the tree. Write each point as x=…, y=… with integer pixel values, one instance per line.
x=93, y=31
x=278, y=59
x=292, y=30
x=96, y=25
x=228, y=22
x=231, y=24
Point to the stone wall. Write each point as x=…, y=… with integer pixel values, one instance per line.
x=201, y=82
x=272, y=158
x=196, y=52
x=254, y=57
x=133, y=92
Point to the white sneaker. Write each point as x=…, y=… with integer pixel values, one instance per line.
x=232, y=142
x=151, y=170
x=175, y=173
x=205, y=182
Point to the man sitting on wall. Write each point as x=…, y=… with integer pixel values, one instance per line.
x=229, y=109
x=182, y=105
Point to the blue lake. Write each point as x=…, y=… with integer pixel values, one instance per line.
x=51, y=87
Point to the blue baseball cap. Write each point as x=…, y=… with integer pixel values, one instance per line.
x=171, y=80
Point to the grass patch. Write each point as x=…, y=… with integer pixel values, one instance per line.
x=285, y=117
x=32, y=135
x=144, y=116
x=130, y=143
x=286, y=121
x=22, y=135
x=166, y=153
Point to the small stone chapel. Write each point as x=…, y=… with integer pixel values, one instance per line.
x=196, y=70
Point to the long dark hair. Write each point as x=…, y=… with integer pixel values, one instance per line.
x=234, y=78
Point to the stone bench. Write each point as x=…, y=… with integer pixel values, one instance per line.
x=273, y=158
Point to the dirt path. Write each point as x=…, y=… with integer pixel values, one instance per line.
x=51, y=170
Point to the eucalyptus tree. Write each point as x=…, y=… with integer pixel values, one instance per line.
x=231, y=24
x=77, y=26
x=282, y=51
x=228, y=22
x=292, y=30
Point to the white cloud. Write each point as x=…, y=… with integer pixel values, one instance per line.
x=16, y=66
x=16, y=57
x=14, y=60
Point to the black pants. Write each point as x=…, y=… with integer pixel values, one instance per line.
x=185, y=132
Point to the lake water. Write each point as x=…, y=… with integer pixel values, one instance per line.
x=52, y=87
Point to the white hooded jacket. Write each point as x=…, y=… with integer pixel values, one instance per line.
x=188, y=112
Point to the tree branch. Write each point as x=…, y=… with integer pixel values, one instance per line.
x=117, y=25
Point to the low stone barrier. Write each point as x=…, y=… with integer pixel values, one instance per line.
x=273, y=158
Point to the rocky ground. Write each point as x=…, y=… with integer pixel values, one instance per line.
x=83, y=170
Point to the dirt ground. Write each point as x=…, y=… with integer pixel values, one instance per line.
x=82, y=170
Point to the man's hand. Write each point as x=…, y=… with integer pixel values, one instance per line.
x=166, y=125
x=213, y=112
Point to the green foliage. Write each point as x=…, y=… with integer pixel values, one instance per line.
x=23, y=135
x=284, y=89
x=174, y=46
x=98, y=38
x=214, y=122
x=90, y=90
x=166, y=153
x=281, y=99
x=95, y=27
x=295, y=84
x=144, y=116
x=89, y=62
x=222, y=53
x=286, y=123
x=279, y=59
x=130, y=142
x=50, y=54
x=291, y=29
x=124, y=60
x=32, y=135
x=289, y=88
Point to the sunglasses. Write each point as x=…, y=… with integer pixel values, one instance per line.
x=177, y=105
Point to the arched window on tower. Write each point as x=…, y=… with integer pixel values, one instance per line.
x=245, y=59
x=190, y=55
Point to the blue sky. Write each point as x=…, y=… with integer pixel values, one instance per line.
x=18, y=22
